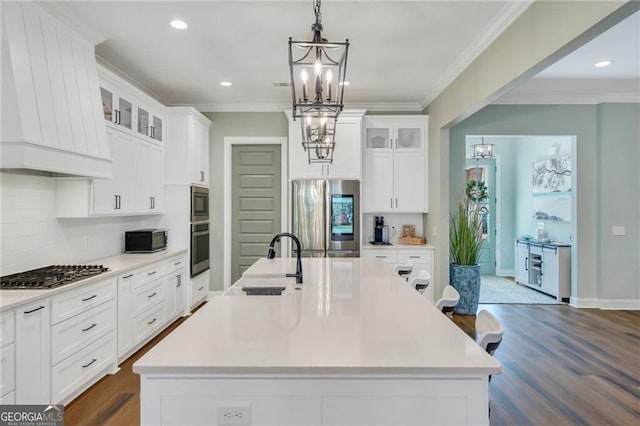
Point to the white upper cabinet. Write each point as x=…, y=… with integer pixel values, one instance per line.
x=347, y=153
x=149, y=124
x=395, y=164
x=137, y=185
x=117, y=107
x=51, y=112
x=187, y=147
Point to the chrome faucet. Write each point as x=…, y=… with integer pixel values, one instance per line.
x=272, y=253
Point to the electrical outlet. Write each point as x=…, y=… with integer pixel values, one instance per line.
x=236, y=415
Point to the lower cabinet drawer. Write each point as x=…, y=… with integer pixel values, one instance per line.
x=148, y=295
x=7, y=369
x=75, y=301
x=175, y=264
x=389, y=256
x=70, y=374
x=147, y=323
x=8, y=399
x=199, y=290
x=415, y=256
x=73, y=334
x=7, y=322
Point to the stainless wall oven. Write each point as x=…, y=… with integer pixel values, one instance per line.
x=199, y=248
x=199, y=204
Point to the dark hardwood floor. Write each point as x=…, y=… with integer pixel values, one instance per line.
x=561, y=366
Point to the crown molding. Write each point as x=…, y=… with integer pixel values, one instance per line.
x=500, y=23
x=562, y=99
x=278, y=107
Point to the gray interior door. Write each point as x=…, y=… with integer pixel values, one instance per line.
x=256, y=202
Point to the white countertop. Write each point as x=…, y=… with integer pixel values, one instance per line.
x=117, y=264
x=397, y=246
x=351, y=315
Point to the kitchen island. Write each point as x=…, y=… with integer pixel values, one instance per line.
x=354, y=344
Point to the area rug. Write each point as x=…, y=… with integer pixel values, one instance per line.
x=495, y=289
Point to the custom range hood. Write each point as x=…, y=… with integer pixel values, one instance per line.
x=51, y=110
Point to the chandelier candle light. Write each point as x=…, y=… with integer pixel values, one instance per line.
x=318, y=70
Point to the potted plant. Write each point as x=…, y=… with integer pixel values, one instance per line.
x=465, y=241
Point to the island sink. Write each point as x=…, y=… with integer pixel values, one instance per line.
x=263, y=291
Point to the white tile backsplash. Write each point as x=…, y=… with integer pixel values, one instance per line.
x=31, y=236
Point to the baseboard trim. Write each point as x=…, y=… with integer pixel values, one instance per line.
x=583, y=302
x=606, y=304
x=505, y=273
x=620, y=304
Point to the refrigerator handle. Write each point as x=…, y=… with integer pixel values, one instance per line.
x=327, y=215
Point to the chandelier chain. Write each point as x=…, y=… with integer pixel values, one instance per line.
x=316, y=10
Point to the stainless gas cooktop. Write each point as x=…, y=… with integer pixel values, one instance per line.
x=49, y=276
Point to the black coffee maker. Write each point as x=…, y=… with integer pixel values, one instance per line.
x=377, y=230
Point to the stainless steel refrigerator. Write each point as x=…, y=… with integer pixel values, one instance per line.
x=326, y=217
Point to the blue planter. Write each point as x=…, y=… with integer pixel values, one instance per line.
x=466, y=279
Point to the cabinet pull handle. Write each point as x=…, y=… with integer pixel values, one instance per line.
x=177, y=263
x=115, y=198
x=526, y=263
x=414, y=257
x=153, y=199
x=89, y=298
x=396, y=143
x=115, y=116
x=151, y=273
x=152, y=321
x=151, y=295
x=179, y=277
x=128, y=276
x=201, y=288
x=391, y=202
x=34, y=310
x=201, y=176
x=151, y=132
x=90, y=327
x=396, y=203
x=92, y=361
x=381, y=257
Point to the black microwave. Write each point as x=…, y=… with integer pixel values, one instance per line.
x=145, y=240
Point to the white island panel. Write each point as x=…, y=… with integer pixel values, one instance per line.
x=352, y=335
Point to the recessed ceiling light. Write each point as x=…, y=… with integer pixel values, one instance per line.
x=178, y=24
x=602, y=64
x=225, y=83
x=344, y=83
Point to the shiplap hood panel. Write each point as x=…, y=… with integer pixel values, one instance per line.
x=51, y=110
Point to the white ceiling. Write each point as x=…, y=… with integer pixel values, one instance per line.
x=574, y=79
x=402, y=53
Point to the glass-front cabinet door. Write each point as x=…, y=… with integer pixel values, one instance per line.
x=408, y=138
x=107, y=104
x=157, y=129
x=143, y=121
x=378, y=138
x=125, y=113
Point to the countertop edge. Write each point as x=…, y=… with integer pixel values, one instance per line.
x=397, y=246
x=139, y=261
x=242, y=371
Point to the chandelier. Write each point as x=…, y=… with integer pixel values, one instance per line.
x=318, y=70
x=482, y=150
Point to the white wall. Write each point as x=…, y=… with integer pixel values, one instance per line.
x=31, y=236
